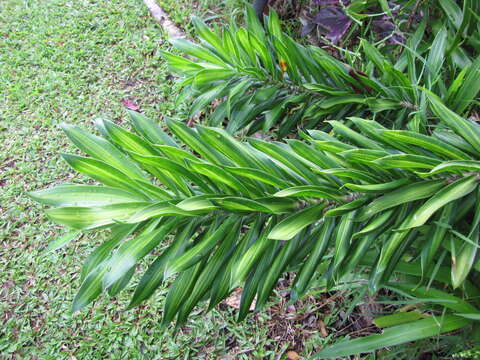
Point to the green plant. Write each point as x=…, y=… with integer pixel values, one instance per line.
x=401, y=204
x=264, y=79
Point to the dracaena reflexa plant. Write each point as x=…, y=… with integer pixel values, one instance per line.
x=223, y=213
x=266, y=80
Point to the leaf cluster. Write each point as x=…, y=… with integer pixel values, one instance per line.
x=263, y=79
x=242, y=213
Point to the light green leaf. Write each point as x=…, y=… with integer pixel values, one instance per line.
x=322, y=192
x=103, y=150
x=454, y=191
x=83, y=195
x=292, y=225
x=426, y=142
x=130, y=252
x=398, y=319
x=402, y=195
x=62, y=241
x=395, y=335
x=85, y=218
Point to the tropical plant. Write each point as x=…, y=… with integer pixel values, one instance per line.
x=266, y=80
x=362, y=206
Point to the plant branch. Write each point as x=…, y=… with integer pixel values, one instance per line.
x=164, y=20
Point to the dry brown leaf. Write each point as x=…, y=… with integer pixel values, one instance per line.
x=292, y=355
x=235, y=299
x=323, y=328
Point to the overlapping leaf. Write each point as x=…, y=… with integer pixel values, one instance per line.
x=290, y=197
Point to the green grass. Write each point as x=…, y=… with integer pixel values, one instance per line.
x=75, y=61
x=210, y=10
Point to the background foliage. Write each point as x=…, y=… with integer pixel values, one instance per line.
x=263, y=79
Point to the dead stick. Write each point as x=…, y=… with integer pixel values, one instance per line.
x=162, y=18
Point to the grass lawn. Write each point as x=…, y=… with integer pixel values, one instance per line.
x=74, y=61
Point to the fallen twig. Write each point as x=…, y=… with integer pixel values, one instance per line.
x=163, y=19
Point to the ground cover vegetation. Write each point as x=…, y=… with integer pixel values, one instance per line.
x=76, y=61
x=382, y=197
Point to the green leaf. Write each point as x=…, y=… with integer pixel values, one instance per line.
x=402, y=195
x=102, y=150
x=197, y=51
x=292, y=225
x=259, y=175
x=179, y=64
x=156, y=210
x=343, y=236
x=153, y=277
x=342, y=100
x=465, y=128
x=321, y=240
x=180, y=290
x=353, y=136
x=453, y=11
x=352, y=174
x=436, y=56
x=346, y=208
x=130, y=252
x=252, y=255
x=363, y=156
x=209, y=36
x=436, y=236
x=126, y=140
x=422, y=294
x=121, y=283
x=289, y=159
x=62, y=241
x=407, y=161
x=212, y=270
x=200, y=250
x=83, y=195
x=280, y=261
x=103, y=173
x=453, y=139
x=236, y=151
x=390, y=253
x=91, y=288
x=398, y=319
x=321, y=192
x=376, y=223
x=248, y=205
x=470, y=87
x=219, y=175
x=463, y=262
x=377, y=188
x=456, y=166
x=174, y=168
x=454, y=191
x=85, y=218
x=251, y=285
x=426, y=142
x=395, y=335
x=102, y=252
x=209, y=76
x=470, y=316
x=191, y=139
